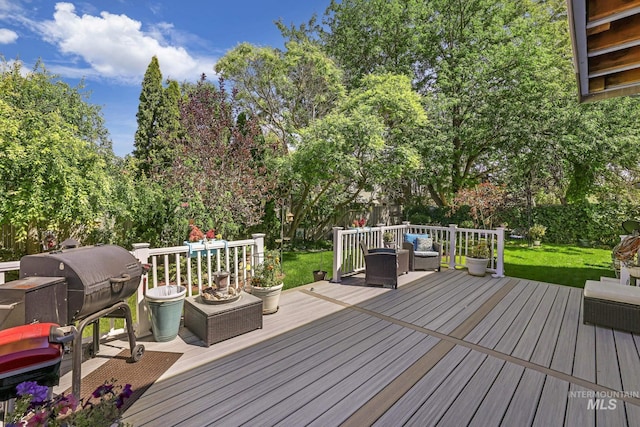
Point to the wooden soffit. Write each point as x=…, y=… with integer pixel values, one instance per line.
x=605, y=35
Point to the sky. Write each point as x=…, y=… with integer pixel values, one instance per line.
x=109, y=44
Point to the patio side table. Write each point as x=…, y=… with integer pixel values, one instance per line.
x=213, y=323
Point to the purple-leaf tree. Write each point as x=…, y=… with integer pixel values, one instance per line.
x=221, y=159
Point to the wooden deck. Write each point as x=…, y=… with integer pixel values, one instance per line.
x=444, y=349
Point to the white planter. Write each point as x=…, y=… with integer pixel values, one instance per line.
x=477, y=266
x=270, y=297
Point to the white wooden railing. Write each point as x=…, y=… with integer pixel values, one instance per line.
x=456, y=242
x=191, y=266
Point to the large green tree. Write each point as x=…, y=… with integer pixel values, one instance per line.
x=359, y=152
x=286, y=90
x=52, y=161
x=498, y=84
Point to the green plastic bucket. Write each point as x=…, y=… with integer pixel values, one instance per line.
x=165, y=306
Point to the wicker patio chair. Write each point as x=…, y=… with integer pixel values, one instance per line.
x=381, y=266
x=430, y=260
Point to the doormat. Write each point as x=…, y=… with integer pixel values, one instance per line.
x=141, y=375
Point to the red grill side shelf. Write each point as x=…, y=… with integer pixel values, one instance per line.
x=29, y=353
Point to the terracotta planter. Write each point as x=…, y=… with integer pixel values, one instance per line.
x=270, y=297
x=477, y=266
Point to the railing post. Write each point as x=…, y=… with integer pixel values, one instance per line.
x=258, y=248
x=453, y=237
x=141, y=252
x=337, y=255
x=500, y=266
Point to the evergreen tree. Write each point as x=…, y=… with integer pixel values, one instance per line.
x=147, y=116
x=168, y=127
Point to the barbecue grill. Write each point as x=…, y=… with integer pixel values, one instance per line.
x=97, y=281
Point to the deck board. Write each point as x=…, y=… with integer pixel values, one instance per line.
x=468, y=401
x=405, y=407
x=607, y=368
x=533, y=328
x=332, y=349
x=496, y=401
x=577, y=412
x=565, y=350
x=466, y=304
x=524, y=403
x=553, y=402
x=548, y=339
x=430, y=412
x=334, y=405
x=514, y=329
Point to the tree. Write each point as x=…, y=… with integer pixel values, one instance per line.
x=373, y=36
x=149, y=109
x=487, y=71
x=286, y=90
x=221, y=168
x=358, y=152
x=53, y=167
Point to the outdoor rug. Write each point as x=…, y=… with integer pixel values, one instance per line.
x=141, y=375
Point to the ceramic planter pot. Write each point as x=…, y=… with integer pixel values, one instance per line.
x=270, y=297
x=477, y=266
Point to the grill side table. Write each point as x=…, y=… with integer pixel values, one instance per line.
x=213, y=323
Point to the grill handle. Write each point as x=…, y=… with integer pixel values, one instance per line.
x=119, y=282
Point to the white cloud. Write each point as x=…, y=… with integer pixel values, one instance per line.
x=7, y=36
x=115, y=46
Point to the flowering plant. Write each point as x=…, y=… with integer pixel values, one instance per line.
x=196, y=235
x=34, y=409
x=359, y=222
x=269, y=273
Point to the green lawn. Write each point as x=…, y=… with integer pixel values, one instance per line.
x=560, y=264
x=299, y=266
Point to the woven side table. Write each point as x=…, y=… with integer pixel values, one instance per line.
x=213, y=323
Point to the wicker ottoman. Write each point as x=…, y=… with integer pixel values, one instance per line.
x=213, y=323
x=612, y=305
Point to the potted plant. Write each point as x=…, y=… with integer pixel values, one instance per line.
x=34, y=406
x=319, y=274
x=536, y=233
x=387, y=239
x=266, y=281
x=478, y=258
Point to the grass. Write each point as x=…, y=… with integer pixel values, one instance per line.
x=299, y=266
x=559, y=264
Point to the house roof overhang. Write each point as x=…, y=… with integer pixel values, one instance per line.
x=605, y=37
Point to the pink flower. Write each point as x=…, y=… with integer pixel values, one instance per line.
x=67, y=403
x=211, y=234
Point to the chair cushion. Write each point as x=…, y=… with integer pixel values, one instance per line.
x=382, y=250
x=424, y=244
x=426, y=253
x=612, y=292
x=413, y=239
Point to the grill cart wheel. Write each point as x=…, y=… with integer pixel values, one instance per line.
x=137, y=352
